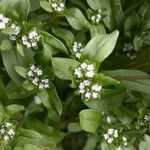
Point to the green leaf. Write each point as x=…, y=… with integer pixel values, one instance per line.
x=94, y=4
x=22, y=71
x=46, y=5
x=74, y=127
x=45, y=130
x=135, y=86
x=20, y=49
x=14, y=109
x=76, y=19
x=10, y=60
x=131, y=23
x=16, y=9
x=64, y=34
x=2, y=114
x=90, y=120
x=97, y=30
x=3, y=94
x=100, y=47
x=6, y=45
x=28, y=85
x=125, y=115
x=62, y=67
x=50, y=99
x=56, y=44
x=109, y=100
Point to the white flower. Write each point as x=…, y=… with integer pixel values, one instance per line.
x=8, y=124
x=90, y=67
x=84, y=65
x=95, y=95
x=147, y=118
x=110, y=131
x=115, y=133
x=106, y=136
x=6, y=137
x=54, y=5
x=78, y=55
x=32, y=67
x=30, y=74
x=119, y=148
x=90, y=74
x=37, y=100
x=88, y=95
x=96, y=18
x=110, y=140
x=78, y=72
x=3, y=21
x=124, y=139
x=125, y=143
x=2, y=131
x=11, y=132
x=96, y=88
x=87, y=82
x=62, y=5
x=35, y=81
x=82, y=85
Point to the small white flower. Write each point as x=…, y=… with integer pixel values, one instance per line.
x=3, y=21
x=110, y=140
x=30, y=74
x=106, y=136
x=84, y=65
x=125, y=143
x=119, y=148
x=95, y=95
x=62, y=5
x=78, y=72
x=54, y=5
x=82, y=85
x=124, y=139
x=115, y=133
x=35, y=81
x=88, y=95
x=8, y=124
x=96, y=88
x=110, y=131
x=147, y=118
x=6, y=137
x=90, y=74
x=82, y=91
x=37, y=100
x=90, y=67
x=87, y=82
x=78, y=55
x=2, y=131
x=11, y=132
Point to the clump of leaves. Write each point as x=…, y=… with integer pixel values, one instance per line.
x=74, y=74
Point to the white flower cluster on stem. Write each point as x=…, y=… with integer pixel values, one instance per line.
x=31, y=40
x=87, y=89
x=3, y=21
x=16, y=29
x=128, y=47
x=35, y=76
x=145, y=121
x=7, y=132
x=77, y=49
x=58, y=7
x=111, y=135
x=97, y=17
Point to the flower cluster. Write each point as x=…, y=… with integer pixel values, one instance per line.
x=3, y=21
x=77, y=49
x=58, y=7
x=17, y=30
x=85, y=70
x=31, y=40
x=35, y=76
x=87, y=88
x=145, y=120
x=128, y=48
x=97, y=17
x=7, y=132
x=111, y=135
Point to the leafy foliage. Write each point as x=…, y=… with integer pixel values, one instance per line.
x=74, y=74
